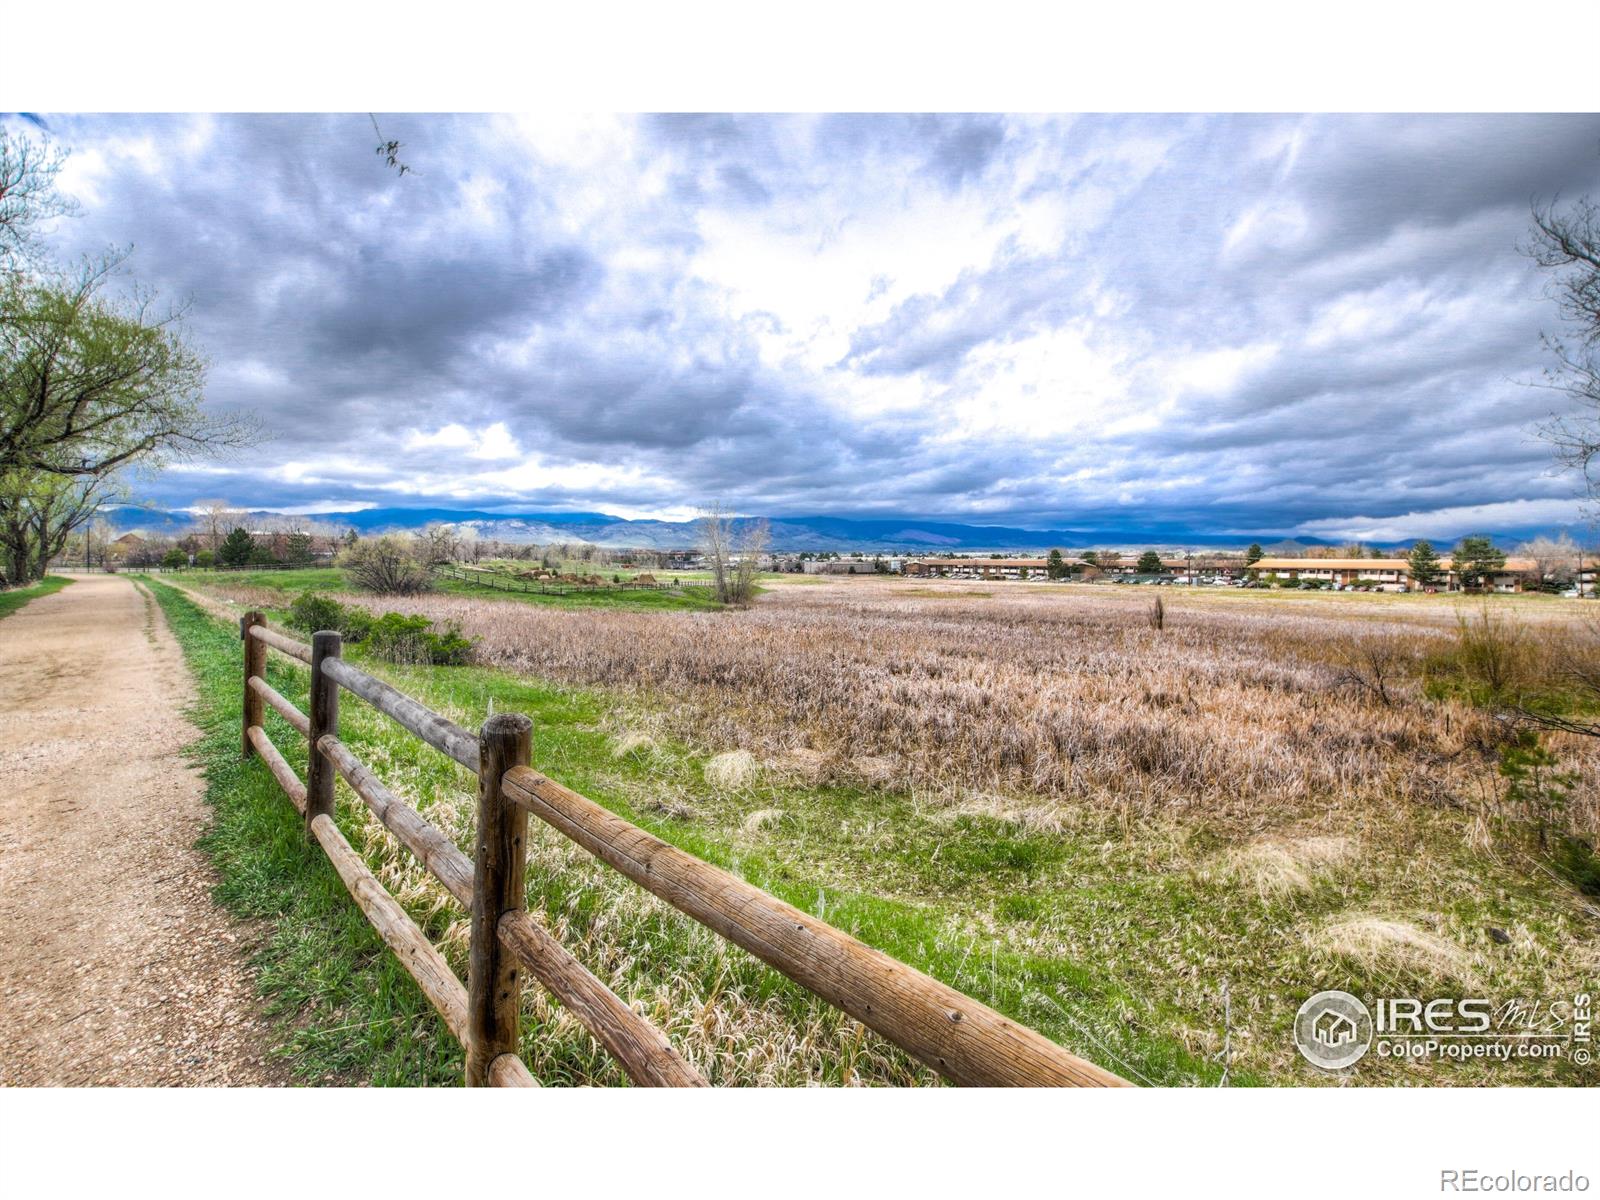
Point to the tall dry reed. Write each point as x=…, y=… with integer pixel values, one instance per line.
x=1231, y=711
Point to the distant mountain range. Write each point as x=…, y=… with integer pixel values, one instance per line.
x=838, y=534
x=793, y=534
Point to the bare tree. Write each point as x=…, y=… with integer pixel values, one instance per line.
x=216, y=518
x=387, y=565
x=716, y=544
x=753, y=541
x=439, y=543
x=1555, y=559
x=28, y=197
x=733, y=554
x=1566, y=244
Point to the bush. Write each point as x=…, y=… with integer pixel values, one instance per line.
x=1377, y=665
x=314, y=611
x=174, y=560
x=411, y=640
x=387, y=566
x=1492, y=651
x=205, y=559
x=1534, y=785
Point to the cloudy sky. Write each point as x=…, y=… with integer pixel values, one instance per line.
x=1313, y=325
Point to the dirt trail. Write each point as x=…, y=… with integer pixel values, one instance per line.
x=116, y=968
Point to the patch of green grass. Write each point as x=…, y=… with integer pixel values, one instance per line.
x=11, y=601
x=578, y=597
x=298, y=579
x=348, y=1012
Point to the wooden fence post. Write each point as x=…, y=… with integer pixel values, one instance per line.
x=324, y=716
x=255, y=663
x=494, y=991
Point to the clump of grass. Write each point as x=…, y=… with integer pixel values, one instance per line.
x=633, y=742
x=1279, y=866
x=762, y=818
x=731, y=770
x=1388, y=944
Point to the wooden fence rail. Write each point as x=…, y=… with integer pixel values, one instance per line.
x=963, y=1040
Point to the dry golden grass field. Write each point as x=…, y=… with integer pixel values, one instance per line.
x=1152, y=843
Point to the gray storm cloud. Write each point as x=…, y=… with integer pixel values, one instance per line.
x=1230, y=323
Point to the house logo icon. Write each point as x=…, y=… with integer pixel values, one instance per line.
x=1333, y=1030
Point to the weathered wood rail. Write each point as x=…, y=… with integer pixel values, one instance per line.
x=963, y=1040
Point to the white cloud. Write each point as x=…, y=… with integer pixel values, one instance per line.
x=1447, y=522
x=492, y=443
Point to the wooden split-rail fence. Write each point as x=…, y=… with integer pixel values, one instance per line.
x=963, y=1040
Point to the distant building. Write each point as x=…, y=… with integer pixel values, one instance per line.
x=974, y=568
x=1184, y=568
x=838, y=566
x=1393, y=574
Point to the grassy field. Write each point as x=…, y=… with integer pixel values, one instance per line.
x=279, y=582
x=736, y=1020
x=15, y=598
x=643, y=599
x=270, y=588
x=1031, y=793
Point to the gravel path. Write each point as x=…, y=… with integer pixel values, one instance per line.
x=116, y=968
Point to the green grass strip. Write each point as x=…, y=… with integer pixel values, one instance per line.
x=347, y=1011
x=14, y=599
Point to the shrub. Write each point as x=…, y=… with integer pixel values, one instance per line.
x=1492, y=651
x=1534, y=785
x=388, y=566
x=313, y=611
x=1376, y=665
x=205, y=559
x=174, y=559
x=411, y=640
